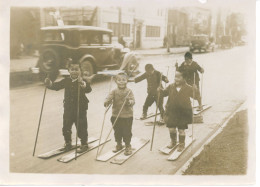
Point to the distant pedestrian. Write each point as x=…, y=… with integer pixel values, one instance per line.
x=153, y=78
x=70, y=84
x=189, y=68
x=178, y=110
x=122, y=41
x=123, y=125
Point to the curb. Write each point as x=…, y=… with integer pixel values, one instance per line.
x=21, y=78
x=209, y=138
x=157, y=54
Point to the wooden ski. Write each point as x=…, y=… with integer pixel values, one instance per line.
x=61, y=150
x=148, y=116
x=108, y=155
x=137, y=144
x=196, y=110
x=167, y=150
x=176, y=154
x=69, y=157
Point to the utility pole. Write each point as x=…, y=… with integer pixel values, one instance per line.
x=168, y=29
x=82, y=12
x=119, y=22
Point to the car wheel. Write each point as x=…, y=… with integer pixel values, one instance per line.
x=49, y=64
x=86, y=65
x=49, y=61
x=132, y=66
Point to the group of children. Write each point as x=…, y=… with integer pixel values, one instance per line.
x=177, y=114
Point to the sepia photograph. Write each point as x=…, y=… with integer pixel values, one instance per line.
x=136, y=92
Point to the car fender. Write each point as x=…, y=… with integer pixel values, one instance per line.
x=90, y=57
x=127, y=59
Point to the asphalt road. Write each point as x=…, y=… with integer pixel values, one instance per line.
x=224, y=87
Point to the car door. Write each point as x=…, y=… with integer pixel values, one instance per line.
x=96, y=49
x=107, y=48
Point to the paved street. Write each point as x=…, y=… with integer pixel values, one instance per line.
x=224, y=84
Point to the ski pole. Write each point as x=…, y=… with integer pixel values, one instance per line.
x=167, y=75
x=77, y=125
x=193, y=95
x=39, y=124
x=201, y=87
x=102, y=127
x=115, y=120
x=155, y=118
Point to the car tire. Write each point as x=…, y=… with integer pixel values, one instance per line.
x=49, y=64
x=49, y=61
x=86, y=65
x=132, y=66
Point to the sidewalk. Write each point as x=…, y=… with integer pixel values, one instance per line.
x=23, y=64
x=161, y=51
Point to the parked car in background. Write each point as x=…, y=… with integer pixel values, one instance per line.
x=226, y=41
x=89, y=46
x=201, y=43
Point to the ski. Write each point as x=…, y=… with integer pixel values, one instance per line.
x=151, y=123
x=147, y=117
x=175, y=155
x=108, y=155
x=61, y=150
x=69, y=157
x=137, y=144
x=167, y=150
x=196, y=110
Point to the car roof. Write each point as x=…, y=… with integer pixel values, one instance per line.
x=76, y=27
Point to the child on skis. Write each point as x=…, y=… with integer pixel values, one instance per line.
x=189, y=68
x=70, y=84
x=178, y=113
x=154, y=79
x=123, y=126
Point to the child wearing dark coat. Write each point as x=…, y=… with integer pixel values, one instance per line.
x=70, y=84
x=178, y=113
x=189, y=68
x=154, y=79
x=123, y=126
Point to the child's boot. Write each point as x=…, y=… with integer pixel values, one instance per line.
x=182, y=143
x=83, y=147
x=67, y=146
x=161, y=121
x=128, y=149
x=173, y=140
x=144, y=116
x=118, y=147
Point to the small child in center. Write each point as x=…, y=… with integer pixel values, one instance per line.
x=122, y=97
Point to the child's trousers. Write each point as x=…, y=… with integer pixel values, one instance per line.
x=150, y=99
x=123, y=129
x=69, y=118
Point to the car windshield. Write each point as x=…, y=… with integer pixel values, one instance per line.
x=203, y=38
x=94, y=38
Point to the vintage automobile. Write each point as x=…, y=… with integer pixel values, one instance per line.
x=201, y=43
x=226, y=42
x=90, y=46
